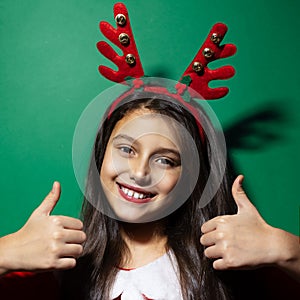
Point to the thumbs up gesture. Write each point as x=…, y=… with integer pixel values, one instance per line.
x=245, y=240
x=45, y=242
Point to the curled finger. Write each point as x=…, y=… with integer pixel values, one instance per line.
x=71, y=251
x=212, y=252
x=74, y=236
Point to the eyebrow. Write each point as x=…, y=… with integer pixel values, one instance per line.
x=167, y=150
x=159, y=150
x=126, y=137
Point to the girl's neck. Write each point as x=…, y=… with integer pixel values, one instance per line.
x=146, y=242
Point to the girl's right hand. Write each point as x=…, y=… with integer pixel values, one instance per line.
x=45, y=242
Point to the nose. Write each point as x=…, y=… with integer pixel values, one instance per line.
x=140, y=171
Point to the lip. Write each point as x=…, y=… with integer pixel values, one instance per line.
x=135, y=189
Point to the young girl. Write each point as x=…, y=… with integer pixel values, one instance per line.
x=145, y=237
x=144, y=240
x=162, y=216
x=145, y=160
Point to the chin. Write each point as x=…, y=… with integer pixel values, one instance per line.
x=133, y=213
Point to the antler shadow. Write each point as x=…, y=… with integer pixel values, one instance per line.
x=258, y=130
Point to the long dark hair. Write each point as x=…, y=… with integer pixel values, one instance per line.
x=105, y=248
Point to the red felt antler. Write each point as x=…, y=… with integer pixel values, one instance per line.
x=198, y=75
x=129, y=64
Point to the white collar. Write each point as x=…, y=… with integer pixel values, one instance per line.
x=158, y=280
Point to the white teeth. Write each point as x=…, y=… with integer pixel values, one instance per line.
x=134, y=194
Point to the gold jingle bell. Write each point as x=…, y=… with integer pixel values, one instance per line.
x=130, y=59
x=208, y=53
x=197, y=67
x=216, y=38
x=124, y=39
x=120, y=19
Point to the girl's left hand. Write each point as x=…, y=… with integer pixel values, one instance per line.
x=245, y=240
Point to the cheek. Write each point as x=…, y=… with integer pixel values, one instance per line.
x=107, y=169
x=112, y=166
x=168, y=182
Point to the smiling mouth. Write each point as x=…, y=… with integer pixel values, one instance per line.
x=133, y=195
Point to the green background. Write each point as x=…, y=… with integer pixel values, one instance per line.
x=48, y=75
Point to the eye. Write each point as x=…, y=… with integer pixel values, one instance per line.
x=166, y=162
x=126, y=150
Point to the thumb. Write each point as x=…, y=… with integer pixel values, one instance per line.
x=48, y=204
x=241, y=199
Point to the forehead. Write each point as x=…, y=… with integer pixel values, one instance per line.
x=144, y=122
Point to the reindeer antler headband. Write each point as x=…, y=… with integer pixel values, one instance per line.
x=193, y=82
x=197, y=75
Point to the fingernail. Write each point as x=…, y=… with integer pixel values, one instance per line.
x=53, y=188
x=241, y=181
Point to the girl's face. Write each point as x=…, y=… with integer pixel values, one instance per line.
x=141, y=165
